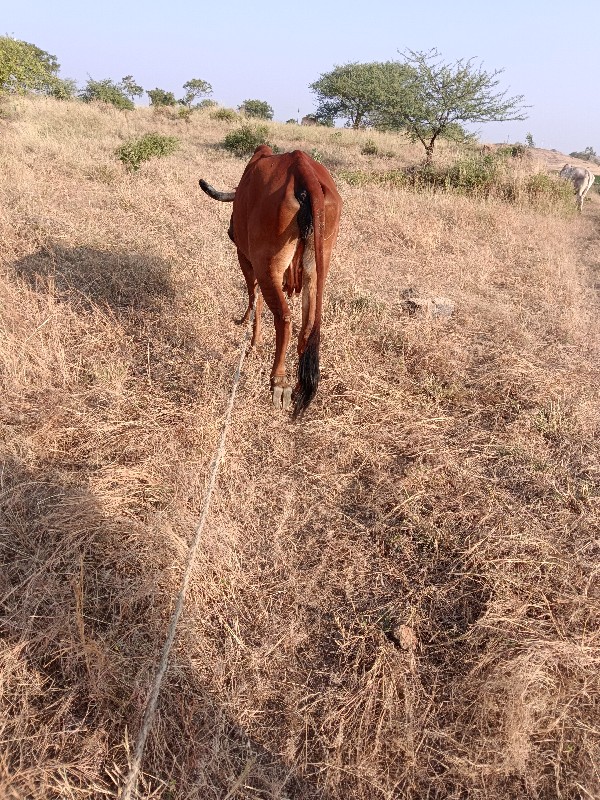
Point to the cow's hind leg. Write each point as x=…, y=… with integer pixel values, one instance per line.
x=254, y=297
x=281, y=389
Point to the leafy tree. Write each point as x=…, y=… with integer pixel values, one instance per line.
x=256, y=108
x=529, y=140
x=442, y=94
x=107, y=91
x=358, y=92
x=130, y=87
x=159, y=97
x=26, y=68
x=194, y=88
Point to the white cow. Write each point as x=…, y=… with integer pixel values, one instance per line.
x=581, y=178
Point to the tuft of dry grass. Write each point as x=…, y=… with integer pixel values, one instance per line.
x=395, y=598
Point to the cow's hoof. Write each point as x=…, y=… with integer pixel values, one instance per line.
x=282, y=397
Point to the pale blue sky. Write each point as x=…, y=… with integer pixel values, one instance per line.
x=272, y=51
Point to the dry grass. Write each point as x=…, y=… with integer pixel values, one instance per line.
x=395, y=598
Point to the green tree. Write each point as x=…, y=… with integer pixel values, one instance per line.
x=194, y=88
x=529, y=140
x=106, y=91
x=358, y=92
x=256, y=108
x=130, y=87
x=26, y=68
x=159, y=97
x=439, y=95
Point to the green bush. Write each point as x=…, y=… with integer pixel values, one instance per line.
x=225, y=115
x=106, y=91
x=244, y=140
x=259, y=109
x=62, y=89
x=369, y=148
x=159, y=97
x=134, y=152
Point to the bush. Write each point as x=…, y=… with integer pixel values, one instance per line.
x=478, y=176
x=106, y=91
x=185, y=113
x=135, y=151
x=369, y=148
x=62, y=89
x=516, y=150
x=225, y=115
x=159, y=97
x=548, y=190
x=244, y=140
x=259, y=109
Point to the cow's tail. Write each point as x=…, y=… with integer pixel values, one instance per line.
x=224, y=197
x=311, y=219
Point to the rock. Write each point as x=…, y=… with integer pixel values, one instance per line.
x=434, y=307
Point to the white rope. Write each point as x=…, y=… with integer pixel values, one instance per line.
x=130, y=785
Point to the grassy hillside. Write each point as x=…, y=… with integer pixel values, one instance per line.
x=396, y=597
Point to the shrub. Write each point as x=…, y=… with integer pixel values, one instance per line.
x=225, y=115
x=291, y=121
x=369, y=148
x=159, y=97
x=106, y=91
x=547, y=190
x=516, y=150
x=207, y=103
x=184, y=113
x=259, y=109
x=244, y=140
x=62, y=89
x=134, y=152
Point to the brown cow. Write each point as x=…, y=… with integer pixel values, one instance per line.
x=286, y=213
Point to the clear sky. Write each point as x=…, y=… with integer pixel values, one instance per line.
x=272, y=51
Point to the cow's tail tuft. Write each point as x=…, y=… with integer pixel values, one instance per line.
x=308, y=373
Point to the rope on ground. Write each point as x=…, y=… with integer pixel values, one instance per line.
x=130, y=784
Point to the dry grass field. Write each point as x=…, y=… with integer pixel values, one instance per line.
x=397, y=596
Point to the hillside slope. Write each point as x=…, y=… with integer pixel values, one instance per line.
x=396, y=597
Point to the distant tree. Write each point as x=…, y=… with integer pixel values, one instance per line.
x=26, y=68
x=358, y=92
x=256, y=108
x=130, y=87
x=207, y=103
x=159, y=97
x=106, y=91
x=529, y=140
x=440, y=94
x=587, y=154
x=194, y=88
